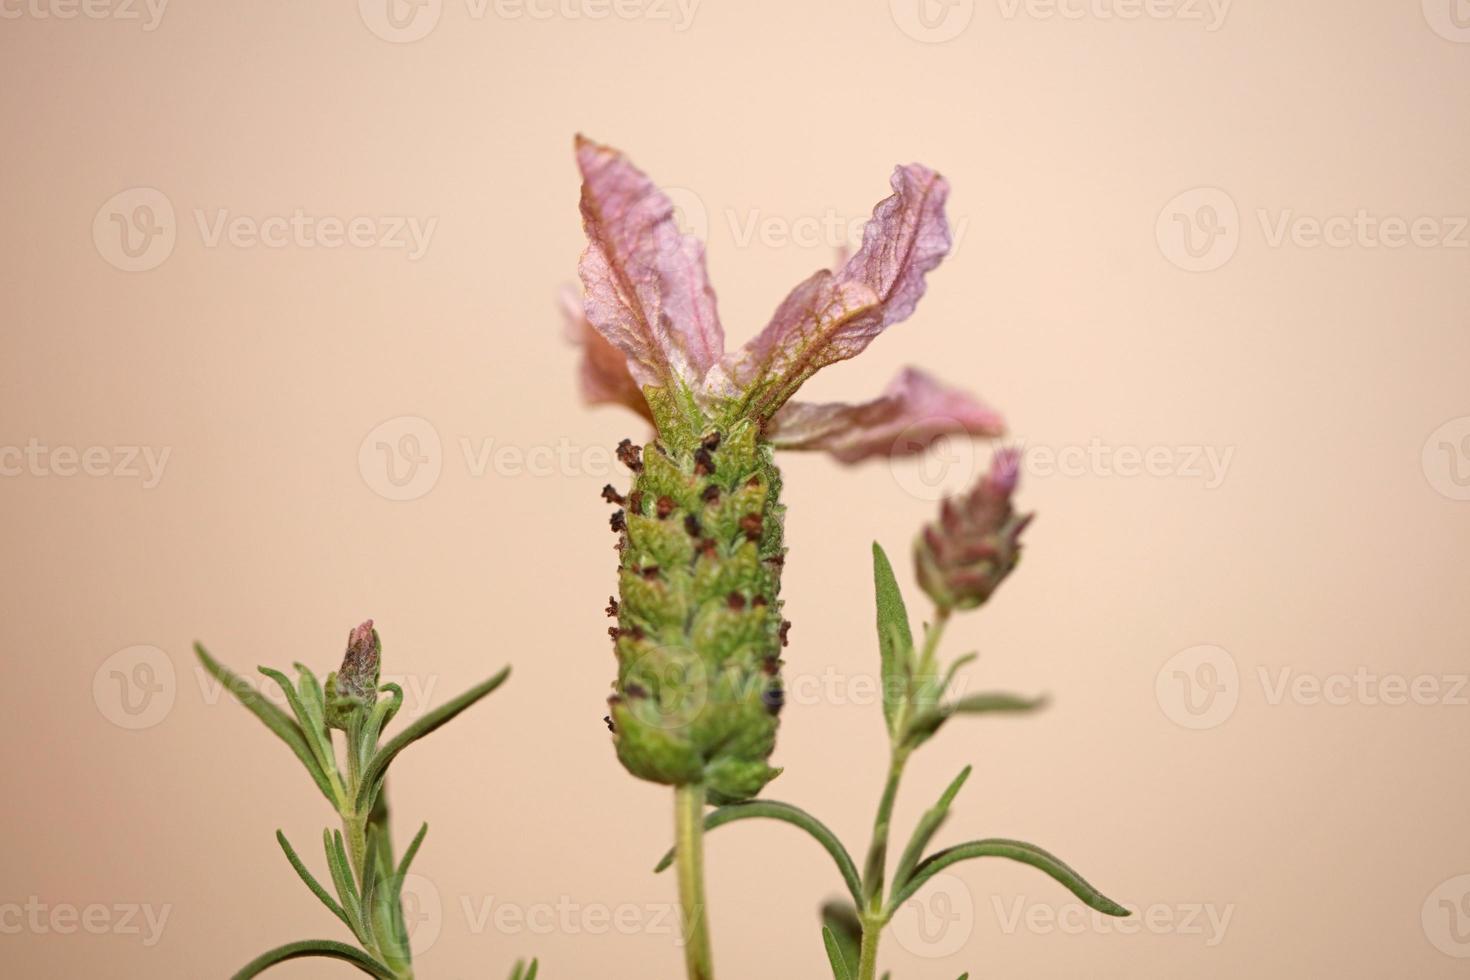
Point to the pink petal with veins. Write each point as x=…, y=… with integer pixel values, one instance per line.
x=831, y=317
x=603, y=374
x=646, y=288
x=912, y=412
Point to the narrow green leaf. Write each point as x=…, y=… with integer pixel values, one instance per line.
x=274, y=718
x=315, y=947
x=840, y=970
x=797, y=818
x=954, y=669
x=346, y=887
x=312, y=698
x=411, y=853
x=383, y=712
x=895, y=639
x=524, y=972
x=975, y=704
x=417, y=730
x=928, y=825
x=928, y=722
x=316, y=735
x=392, y=898
x=840, y=919
x=1016, y=851
x=310, y=879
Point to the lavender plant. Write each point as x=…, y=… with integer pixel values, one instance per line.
x=699, y=630
x=367, y=883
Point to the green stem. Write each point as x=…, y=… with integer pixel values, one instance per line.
x=354, y=826
x=872, y=914
x=931, y=640
x=868, y=958
x=689, y=852
x=874, y=868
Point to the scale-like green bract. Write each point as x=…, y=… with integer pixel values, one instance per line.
x=699, y=629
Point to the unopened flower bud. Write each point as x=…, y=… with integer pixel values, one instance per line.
x=355, y=684
x=964, y=556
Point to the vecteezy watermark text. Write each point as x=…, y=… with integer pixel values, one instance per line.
x=137, y=229
x=406, y=21
x=39, y=459
x=41, y=918
x=1199, y=687
x=149, y=13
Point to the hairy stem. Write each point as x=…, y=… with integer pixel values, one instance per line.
x=871, y=914
x=873, y=870
x=868, y=958
x=689, y=852
x=931, y=640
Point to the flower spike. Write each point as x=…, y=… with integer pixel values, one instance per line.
x=699, y=631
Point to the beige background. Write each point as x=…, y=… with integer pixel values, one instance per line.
x=1332, y=546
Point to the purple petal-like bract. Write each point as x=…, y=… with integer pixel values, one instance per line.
x=833, y=316
x=646, y=288
x=603, y=376
x=912, y=412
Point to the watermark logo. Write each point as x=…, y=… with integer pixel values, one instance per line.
x=1446, y=917
x=938, y=920
x=1446, y=459
x=1199, y=230
x=400, y=21
x=931, y=467
x=690, y=213
x=667, y=687
x=932, y=21
x=135, y=687
x=1198, y=687
x=135, y=230
x=423, y=912
x=401, y=459
x=1450, y=19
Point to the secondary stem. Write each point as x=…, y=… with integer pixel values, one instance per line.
x=689, y=852
x=872, y=913
x=877, y=861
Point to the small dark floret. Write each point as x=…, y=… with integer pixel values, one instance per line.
x=630, y=455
